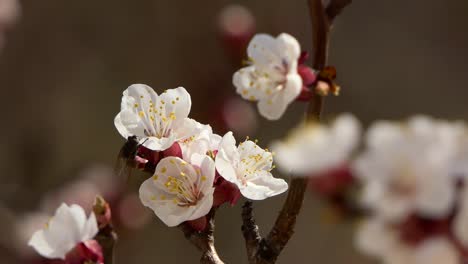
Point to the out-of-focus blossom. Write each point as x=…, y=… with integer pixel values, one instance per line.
x=248, y=166
x=67, y=229
x=408, y=167
x=314, y=149
x=272, y=78
x=157, y=120
x=381, y=240
x=239, y=117
x=236, y=27
x=202, y=142
x=91, y=181
x=9, y=14
x=180, y=191
x=131, y=213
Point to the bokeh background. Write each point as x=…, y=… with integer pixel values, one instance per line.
x=65, y=64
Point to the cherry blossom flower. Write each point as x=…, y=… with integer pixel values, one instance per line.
x=67, y=229
x=157, y=120
x=248, y=166
x=407, y=168
x=313, y=149
x=180, y=191
x=272, y=78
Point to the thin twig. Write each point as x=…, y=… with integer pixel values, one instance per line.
x=267, y=250
x=203, y=240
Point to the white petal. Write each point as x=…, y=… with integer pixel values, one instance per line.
x=263, y=50
x=262, y=185
x=128, y=124
x=41, y=245
x=79, y=216
x=187, y=128
x=290, y=47
x=275, y=106
x=177, y=101
x=158, y=144
x=90, y=228
x=227, y=156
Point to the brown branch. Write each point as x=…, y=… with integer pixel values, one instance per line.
x=203, y=240
x=335, y=8
x=250, y=231
x=267, y=250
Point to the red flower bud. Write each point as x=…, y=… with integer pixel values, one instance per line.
x=88, y=251
x=174, y=151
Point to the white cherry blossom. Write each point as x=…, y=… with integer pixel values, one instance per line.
x=180, y=191
x=248, y=166
x=157, y=120
x=408, y=167
x=272, y=77
x=315, y=148
x=64, y=231
x=203, y=141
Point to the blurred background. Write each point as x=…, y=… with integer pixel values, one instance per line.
x=65, y=64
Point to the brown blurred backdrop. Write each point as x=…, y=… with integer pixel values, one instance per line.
x=66, y=64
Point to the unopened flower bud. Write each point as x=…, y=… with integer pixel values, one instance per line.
x=307, y=74
x=173, y=151
x=102, y=211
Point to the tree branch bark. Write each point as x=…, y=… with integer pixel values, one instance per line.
x=266, y=250
x=204, y=240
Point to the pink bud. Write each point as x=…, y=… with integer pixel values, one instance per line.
x=88, y=251
x=198, y=224
x=173, y=151
x=307, y=74
x=225, y=192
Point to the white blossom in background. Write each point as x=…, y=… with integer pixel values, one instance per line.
x=180, y=191
x=272, y=77
x=315, y=148
x=157, y=120
x=9, y=14
x=380, y=240
x=63, y=232
x=408, y=167
x=203, y=141
x=248, y=166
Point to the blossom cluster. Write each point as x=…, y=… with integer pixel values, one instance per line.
x=413, y=177
x=193, y=168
